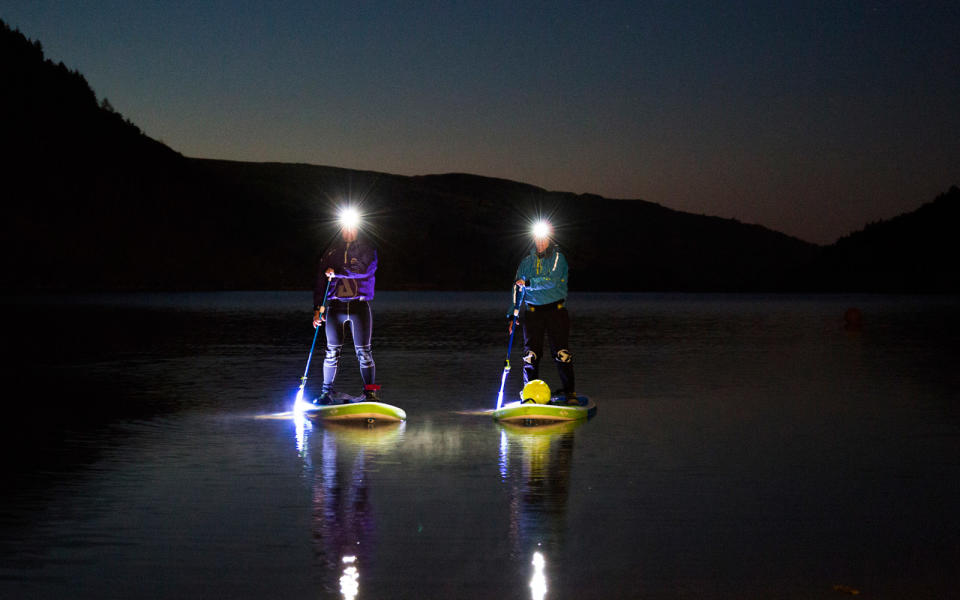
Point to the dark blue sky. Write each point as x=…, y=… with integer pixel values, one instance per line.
x=812, y=118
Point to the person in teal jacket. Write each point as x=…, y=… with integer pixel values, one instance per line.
x=543, y=275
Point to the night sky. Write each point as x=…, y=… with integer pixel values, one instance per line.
x=812, y=118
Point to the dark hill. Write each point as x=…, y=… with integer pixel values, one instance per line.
x=451, y=232
x=73, y=168
x=90, y=202
x=914, y=252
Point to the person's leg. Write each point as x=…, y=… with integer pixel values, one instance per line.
x=558, y=328
x=533, y=328
x=336, y=316
x=361, y=324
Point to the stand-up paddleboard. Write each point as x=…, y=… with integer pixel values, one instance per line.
x=555, y=410
x=356, y=410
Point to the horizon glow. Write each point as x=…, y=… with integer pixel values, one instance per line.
x=813, y=132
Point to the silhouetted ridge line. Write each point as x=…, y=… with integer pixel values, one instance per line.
x=912, y=252
x=93, y=203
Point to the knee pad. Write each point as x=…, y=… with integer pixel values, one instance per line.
x=530, y=357
x=365, y=356
x=563, y=356
x=333, y=354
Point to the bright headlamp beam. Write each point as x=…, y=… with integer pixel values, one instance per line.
x=541, y=230
x=349, y=218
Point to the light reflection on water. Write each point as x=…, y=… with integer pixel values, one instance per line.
x=538, y=462
x=536, y=465
x=339, y=463
x=746, y=447
x=538, y=583
x=350, y=580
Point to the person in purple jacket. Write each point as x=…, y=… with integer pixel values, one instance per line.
x=349, y=265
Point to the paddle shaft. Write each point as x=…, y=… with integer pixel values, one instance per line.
x=316, y=330
x=513, y=328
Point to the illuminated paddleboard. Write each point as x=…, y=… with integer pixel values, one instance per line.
x=369, y=412
x=556, y=410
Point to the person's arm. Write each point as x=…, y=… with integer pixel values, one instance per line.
x=320, y=288
x=517, y=288
x=519, y=292
x=523, y=273
x=321, y=285
x=325, y=272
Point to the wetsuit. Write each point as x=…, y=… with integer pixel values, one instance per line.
x=354, y=265
x=545, y=276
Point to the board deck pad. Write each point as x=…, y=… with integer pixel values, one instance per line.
x=556, y=410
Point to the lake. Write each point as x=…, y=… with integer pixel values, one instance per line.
x=744, y=447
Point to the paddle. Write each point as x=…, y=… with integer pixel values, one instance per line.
x=316, y=330
x=513, y=327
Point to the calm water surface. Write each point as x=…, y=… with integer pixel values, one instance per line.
x=744, y=447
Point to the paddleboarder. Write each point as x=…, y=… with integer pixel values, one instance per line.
x=543, y=276
x=349, y=265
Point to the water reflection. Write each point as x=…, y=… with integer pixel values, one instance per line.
x=535, y=464
x=349, y=580
x=538, y=583
x=301, y=425
x=339, y=459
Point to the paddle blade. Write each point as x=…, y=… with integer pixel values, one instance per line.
x=503, y=380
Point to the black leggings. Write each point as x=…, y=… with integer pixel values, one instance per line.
x=552, y=320
x=357, y=314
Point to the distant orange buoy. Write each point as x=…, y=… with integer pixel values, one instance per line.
x=846, y=589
